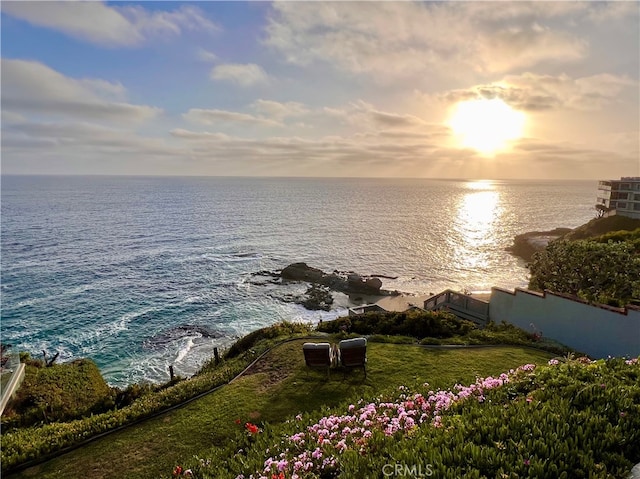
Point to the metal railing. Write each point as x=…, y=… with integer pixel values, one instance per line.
x=460, y=304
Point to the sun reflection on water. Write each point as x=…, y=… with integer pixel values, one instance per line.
x=478, y=213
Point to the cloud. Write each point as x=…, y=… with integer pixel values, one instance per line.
x=571, y=160
x=211, y=117
x=524, y=46
x=354, y=152
x=278, y=110
x=11, y=117
x=31, y=87
x=393, y=153
x=109, y=26
x=534, y=92
x=80, y=147
x=242, y=74
x=83, y=148
x=395, y=39
x=365, y=115
x=198, y=135
x=72, y=133
x=205, y=55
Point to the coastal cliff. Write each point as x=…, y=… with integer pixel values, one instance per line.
x=525, y=245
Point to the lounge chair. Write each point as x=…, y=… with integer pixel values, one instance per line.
x=353, y=354
x=318, y=356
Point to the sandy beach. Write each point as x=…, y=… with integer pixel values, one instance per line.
x=405, y=301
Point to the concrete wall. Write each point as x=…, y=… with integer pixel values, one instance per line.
x=596, y=330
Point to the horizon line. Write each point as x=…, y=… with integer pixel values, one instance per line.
x=132, y=175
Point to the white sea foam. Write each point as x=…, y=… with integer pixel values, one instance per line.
x=184, y=350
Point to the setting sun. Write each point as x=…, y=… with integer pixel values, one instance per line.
x=486, y=125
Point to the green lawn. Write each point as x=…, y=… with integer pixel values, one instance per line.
x=277, y=388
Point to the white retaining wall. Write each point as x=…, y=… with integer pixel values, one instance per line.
x=17, y=376
x=596, y=330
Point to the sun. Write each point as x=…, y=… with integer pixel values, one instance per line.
x=486, y=125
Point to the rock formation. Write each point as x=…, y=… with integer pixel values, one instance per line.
x=526, y=244
x=351, y=284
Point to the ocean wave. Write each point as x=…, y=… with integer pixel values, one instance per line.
x=165, y=338
x=184, y=350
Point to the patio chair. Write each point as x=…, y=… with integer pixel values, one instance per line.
x=318, y=356
x=353, y=354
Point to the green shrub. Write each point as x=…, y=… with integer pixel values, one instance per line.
x=433, y=328
x=632, y=237
x=414, y=323
x=60, y=392
x=602, y=226
x=379, y=338
x=277, y=330
x=29, y=361
x=602, y=272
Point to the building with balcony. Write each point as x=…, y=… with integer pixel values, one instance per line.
x=619, y=197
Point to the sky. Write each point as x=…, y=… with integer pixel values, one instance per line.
x=345, y=89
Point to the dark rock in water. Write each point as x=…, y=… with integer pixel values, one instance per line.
x=349, y=283
x=357, y=284
x=316, y=298
x=164, y=338
x=265, y=272
x=302, y=272
x=526, y=244
x=383, y=276
x=373, y=283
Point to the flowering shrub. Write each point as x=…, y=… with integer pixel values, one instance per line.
x=317, y=448
x=572, y=418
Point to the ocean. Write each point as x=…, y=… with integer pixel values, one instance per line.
x=140, y=273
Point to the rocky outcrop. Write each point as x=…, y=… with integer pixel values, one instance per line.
x=526, y=244
x=302, y=272
x=321, y=285
x=316, y=298
x=350, y=283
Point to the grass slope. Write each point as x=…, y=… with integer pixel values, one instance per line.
x=278, y=387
